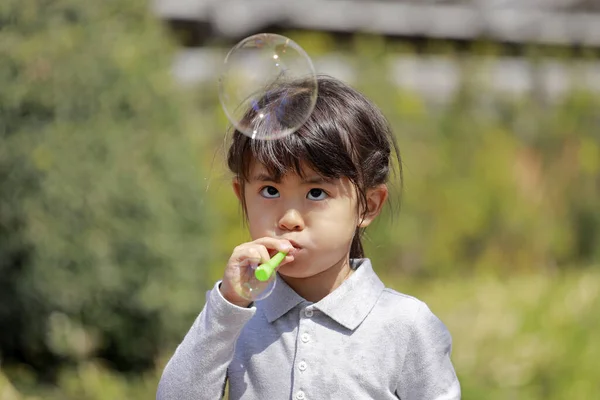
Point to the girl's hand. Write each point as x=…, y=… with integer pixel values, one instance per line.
x=249, y=256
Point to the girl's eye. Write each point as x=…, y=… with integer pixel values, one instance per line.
x=269, y=192
x=316, y=194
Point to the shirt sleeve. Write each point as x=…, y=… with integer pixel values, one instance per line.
x=427, y=372
x=198, y=368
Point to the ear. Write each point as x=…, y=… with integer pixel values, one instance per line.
x=237, y=188
x=376, y=198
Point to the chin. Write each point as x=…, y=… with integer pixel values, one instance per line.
x=295, y=269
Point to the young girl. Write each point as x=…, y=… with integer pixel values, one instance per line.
x=330, y=329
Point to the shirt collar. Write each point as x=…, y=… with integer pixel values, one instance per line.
x=348, y=305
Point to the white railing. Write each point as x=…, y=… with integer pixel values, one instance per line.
x=532, y=21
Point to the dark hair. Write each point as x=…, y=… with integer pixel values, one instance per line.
x=345, y=136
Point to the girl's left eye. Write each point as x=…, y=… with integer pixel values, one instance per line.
x=316, y=194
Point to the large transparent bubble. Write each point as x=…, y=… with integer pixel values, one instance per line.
x=248, y=286
x=268, y=86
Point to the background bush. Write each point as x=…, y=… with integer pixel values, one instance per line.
x=116, y=213
x=104, y=230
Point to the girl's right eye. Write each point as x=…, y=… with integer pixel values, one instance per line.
x=269, y=192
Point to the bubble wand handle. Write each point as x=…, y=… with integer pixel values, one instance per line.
x=264, y=271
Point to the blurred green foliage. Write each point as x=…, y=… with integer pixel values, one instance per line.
x=103, y=232
x=116, y=212
x=521, y=337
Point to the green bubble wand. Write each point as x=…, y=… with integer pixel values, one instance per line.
x=264, y=271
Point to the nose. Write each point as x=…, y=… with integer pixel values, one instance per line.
x=291, y=221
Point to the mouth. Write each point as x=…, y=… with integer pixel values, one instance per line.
x=295, y=244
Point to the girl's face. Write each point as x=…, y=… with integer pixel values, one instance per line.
x=319, y=217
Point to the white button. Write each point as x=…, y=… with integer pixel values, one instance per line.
x=308, y=313
x=302, y=366
x=305, y=337
x=300, y=395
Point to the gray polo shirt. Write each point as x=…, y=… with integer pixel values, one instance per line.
x=362, y=341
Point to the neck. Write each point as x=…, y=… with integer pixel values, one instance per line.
x=316, y=287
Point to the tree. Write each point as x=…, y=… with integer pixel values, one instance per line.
x=103, y=228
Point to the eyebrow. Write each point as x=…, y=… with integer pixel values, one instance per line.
x=313, y=180
x=262, y=177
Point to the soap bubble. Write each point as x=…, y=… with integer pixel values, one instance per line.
x=268, y=87
x=249, y=287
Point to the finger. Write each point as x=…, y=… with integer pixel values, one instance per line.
x=264, y=253
x=287, y=259
x=272, y=252
x=246, y=255
x=275, y=244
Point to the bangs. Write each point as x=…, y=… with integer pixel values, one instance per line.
x=303, y=148
x=279, y=157
x=323, y=144
x=344, y=136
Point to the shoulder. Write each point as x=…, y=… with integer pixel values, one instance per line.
x=399, y=305
x=423, y=348
x=408, y=313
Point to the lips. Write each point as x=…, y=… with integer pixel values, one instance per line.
x=296, y=247
x=295, y=244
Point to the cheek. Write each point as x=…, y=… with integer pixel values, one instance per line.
x=257, y=217
x=337, y=224
x=260, y=219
